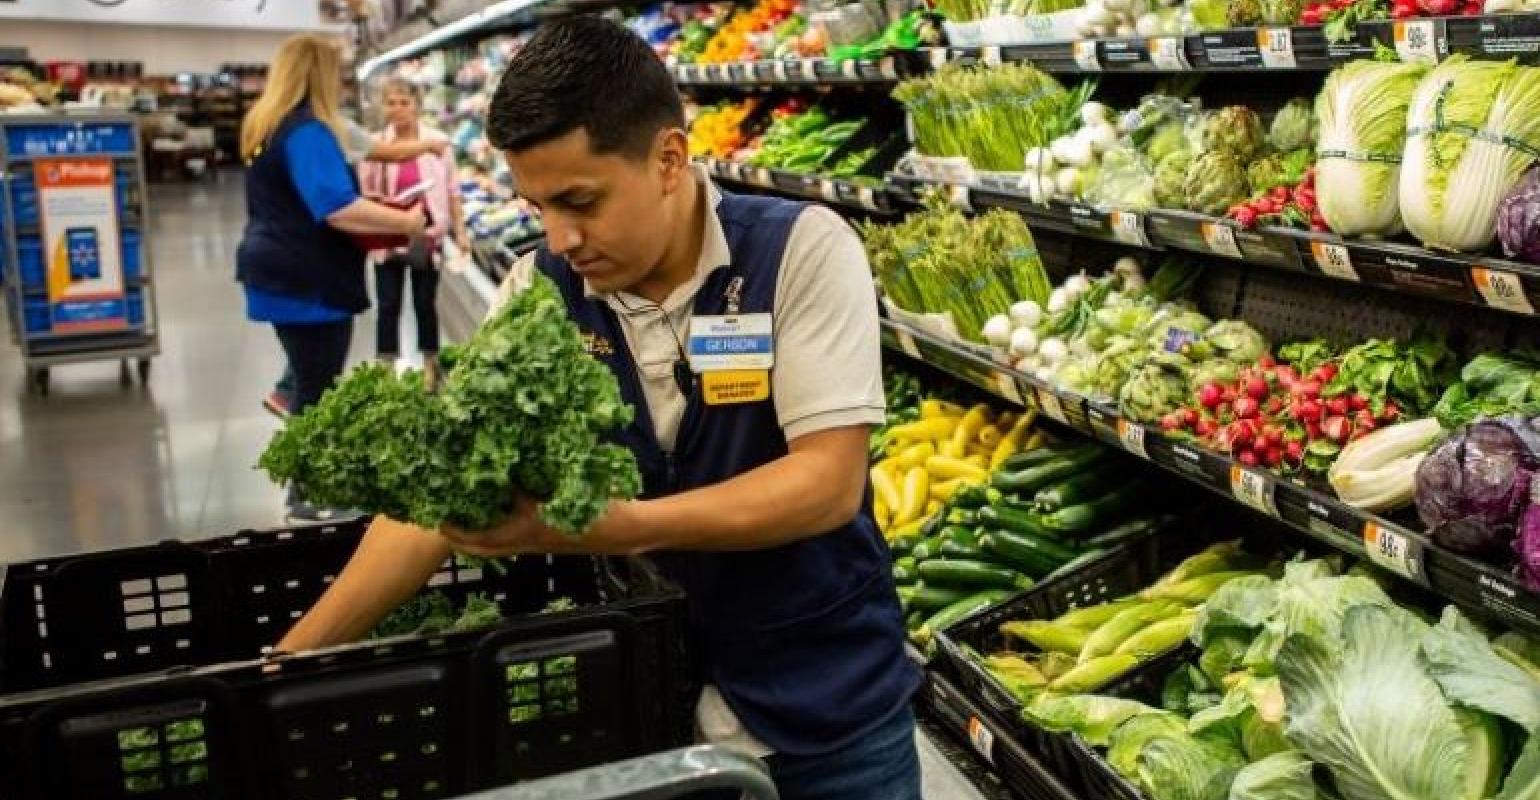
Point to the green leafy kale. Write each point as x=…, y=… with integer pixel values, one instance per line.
x=523, y=409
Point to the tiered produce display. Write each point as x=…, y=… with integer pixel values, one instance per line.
x=1306, y=284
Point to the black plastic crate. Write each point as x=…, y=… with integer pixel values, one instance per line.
x=407, y=717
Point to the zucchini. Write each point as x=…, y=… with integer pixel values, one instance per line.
x=1042, y=455
x=1011, y=517
x=1031, y=553
x=1102, y=510
x=979, y=574
x=915, y=619
x=927, y=550
x=970, y=497
x=1129, y=530
x=904, y=572
x=956, y=612
x=905, y=594
x=903, y=545
x=1081, y=488
x=1029, y=480
x=966, y=549
x=927, y=597
x=967, y=537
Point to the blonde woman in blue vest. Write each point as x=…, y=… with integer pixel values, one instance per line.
x=299, y=264
x=755, y=501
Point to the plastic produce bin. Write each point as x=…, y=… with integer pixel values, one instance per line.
x=407, y=717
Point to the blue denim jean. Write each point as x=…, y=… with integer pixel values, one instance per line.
x=882, y=765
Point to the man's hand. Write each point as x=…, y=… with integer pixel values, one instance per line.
x=520, y=533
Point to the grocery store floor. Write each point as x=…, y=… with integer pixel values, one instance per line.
x=96, y=465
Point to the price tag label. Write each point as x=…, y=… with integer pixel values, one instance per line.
x=1502, y=290
x=1005, y=386
x=716, y=72
x=1086, y=56
x=906, y=343
x=982, y=739
x=1418, y=40
x=938, y=57
x=990, y=55
x=1333, y=259
x=810, y=69
x=828, y=190
x=735, y=171
x=1393, y=550
x=762, y=176
x=888, y=68
x=851, y=68
x=1254, y=489
x=1221, y=239
x=779, y=70
x=1131, y=434
x=867, y=197
x=960, y=196
x=1049, y=403
x=1168, y=53
x=1128, y=228
x=1277, y=46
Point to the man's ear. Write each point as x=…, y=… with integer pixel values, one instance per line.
x=673, y=156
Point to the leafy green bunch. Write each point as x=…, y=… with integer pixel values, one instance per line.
x=523, y=409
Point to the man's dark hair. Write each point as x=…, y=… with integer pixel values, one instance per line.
x=584, y=72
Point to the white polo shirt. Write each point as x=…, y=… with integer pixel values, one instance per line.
x=827, y=371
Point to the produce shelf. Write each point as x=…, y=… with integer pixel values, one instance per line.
x=832, y=190
x=1392, y=545
x=1269, y=47
x=1489, y=282
x=964, y=721
x=799, y=72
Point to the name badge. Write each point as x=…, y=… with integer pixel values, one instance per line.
x=735, y=386
x=741, y=342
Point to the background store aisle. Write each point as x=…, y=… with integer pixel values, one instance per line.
x=96, y=466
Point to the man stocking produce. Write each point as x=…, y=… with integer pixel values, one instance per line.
x=743, y=330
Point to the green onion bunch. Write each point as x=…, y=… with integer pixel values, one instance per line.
x=991, y=115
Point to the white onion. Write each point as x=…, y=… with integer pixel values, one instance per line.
x=1058, y=300
x=997, y=330
x=1026, y=314
x=1126, y=266
x=1068, y=181
x=1103, y=137
x=1077, y=284
x=1093, y=112
x=1052, y=350
x=1023, y=342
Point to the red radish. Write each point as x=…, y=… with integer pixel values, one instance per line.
x=1319, y=227
x=1279, y=194
x=1337, y=429
x=1228, y=394
x=1170, y=422
x=1364, y=419
x=1248, y=458
x=1272, y=456
x=1308, y=411
x=1267, y=361
x=1209, y=395
x=1246, y=408
x=1189, y=416
x=1337, y=406
x=1204, y=428
x=1246, y=217
x=1256, y=388
x=1357, y=402
x=1310, y=388
x=1399, y=11
x=1286, y=373
x=1265, y=206
x=1312, y=430
x=1471, y=11
x=1273, y=406
x=1326, y=371
x=1310, y=16
x=1295, y=451
x=1441, y=8
x=1272, y=435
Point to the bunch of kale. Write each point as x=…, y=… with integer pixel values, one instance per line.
x=523, y=409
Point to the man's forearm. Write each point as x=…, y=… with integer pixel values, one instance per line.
x=815, y=488
x=392, y=562
x=398, y=150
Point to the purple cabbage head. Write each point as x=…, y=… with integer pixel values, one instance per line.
x=1518, y=219
x=1527, y=545
x=1472, y=489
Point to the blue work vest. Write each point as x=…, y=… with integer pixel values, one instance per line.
x=284, y=251
x=805, y=641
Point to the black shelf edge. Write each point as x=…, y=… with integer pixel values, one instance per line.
x=835, y=191
x=881, y=71
x=1486, y=281
x=982, y=748
x=1270, y=47
x=1399, y=549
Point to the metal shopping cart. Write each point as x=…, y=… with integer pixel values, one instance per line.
x=661, y=776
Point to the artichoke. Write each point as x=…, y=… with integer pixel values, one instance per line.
x=1243, y=13
x=1294, y=126
x=1265, y=173
x=1214, y=182
x=1168, y=139
x=1154, y=390
x=1122, y=356
x=1236, y=130
x=1214, y=371
x=1170, y=179
x=1172, y=333
x=1281, y=12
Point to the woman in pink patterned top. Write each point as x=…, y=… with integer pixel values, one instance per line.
x=403, y=109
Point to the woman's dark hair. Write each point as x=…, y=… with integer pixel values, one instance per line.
x=584, y=72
